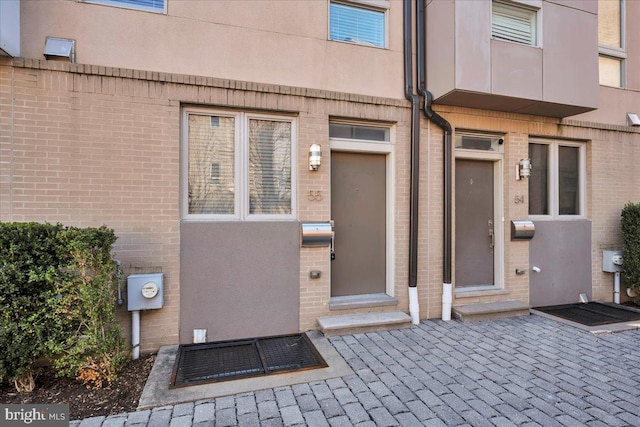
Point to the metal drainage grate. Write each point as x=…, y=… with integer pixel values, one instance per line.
x=592, y=313
x=230, y=360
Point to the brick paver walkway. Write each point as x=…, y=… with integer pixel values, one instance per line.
x=527, y=371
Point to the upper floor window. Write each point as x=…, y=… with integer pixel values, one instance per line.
x=358, y=23
x=146, y=5
x=611, y=42
x=557, y=181
x=237, y=165
x=514, y=23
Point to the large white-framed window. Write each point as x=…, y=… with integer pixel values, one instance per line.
x=362, y=22
x=158, y=6
x=237, y=165
x=515, y=22
x=557, y=184
x=611, y=42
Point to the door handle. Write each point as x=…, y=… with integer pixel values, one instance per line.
x=492, y=235
x=333, y=237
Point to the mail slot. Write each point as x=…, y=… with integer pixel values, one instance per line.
x=316, y=233
x=522, y=230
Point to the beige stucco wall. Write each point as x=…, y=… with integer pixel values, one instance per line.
x=275, y=42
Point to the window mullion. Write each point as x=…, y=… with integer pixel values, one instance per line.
x=582, y=183
x=241, y=166
x=554, y=171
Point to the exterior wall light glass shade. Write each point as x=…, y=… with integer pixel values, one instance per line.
x=57, y=48
x=523, y=169
x=315, y=157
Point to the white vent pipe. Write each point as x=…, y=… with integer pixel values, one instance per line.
x=447, y=298
x=414, y=307
x=135, y=334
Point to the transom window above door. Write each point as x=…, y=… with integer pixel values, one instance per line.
x=237, y=165
x=482, y=142
x=362, y=132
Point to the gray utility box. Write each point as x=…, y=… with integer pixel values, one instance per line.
x=145, y=291
x=612, y=261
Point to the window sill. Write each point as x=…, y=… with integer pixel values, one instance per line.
x=557, y=217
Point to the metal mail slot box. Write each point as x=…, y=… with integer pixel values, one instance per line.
x=316, y=233
x=522, y=230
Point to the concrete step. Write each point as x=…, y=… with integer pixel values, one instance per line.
x=364, y=322
x=491, y=310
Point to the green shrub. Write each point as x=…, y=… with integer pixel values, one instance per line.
x=30, y=273
x=57, y=293
x=631, y=245
x=95, y=351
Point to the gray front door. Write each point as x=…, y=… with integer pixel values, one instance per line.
x=474, y=223
x=358, y=209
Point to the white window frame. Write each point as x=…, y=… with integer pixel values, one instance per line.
x=618, y=53
x=125, y=5
x=374, y=5
x=496, y=157
x=241, y=166
x=553, y=180
x=530, y=8
x=354, y=145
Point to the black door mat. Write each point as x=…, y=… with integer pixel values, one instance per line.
x=231, y=360
x=591, y=313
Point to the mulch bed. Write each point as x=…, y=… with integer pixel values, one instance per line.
x=122, y=395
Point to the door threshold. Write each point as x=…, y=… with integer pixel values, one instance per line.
x=478, y=291
x=361, y=301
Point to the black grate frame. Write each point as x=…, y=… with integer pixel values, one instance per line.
x=229, y=360
x=591, y=313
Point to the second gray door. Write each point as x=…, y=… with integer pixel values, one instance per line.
x=358, y=209
x=474, y=223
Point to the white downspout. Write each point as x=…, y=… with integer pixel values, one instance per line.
x=616, y=287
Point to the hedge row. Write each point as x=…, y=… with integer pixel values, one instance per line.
x=57, y=294
x=630, y=227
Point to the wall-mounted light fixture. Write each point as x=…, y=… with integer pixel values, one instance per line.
x=633, y=119
x=57, y=48
x=315, y=157
x=523, y=169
